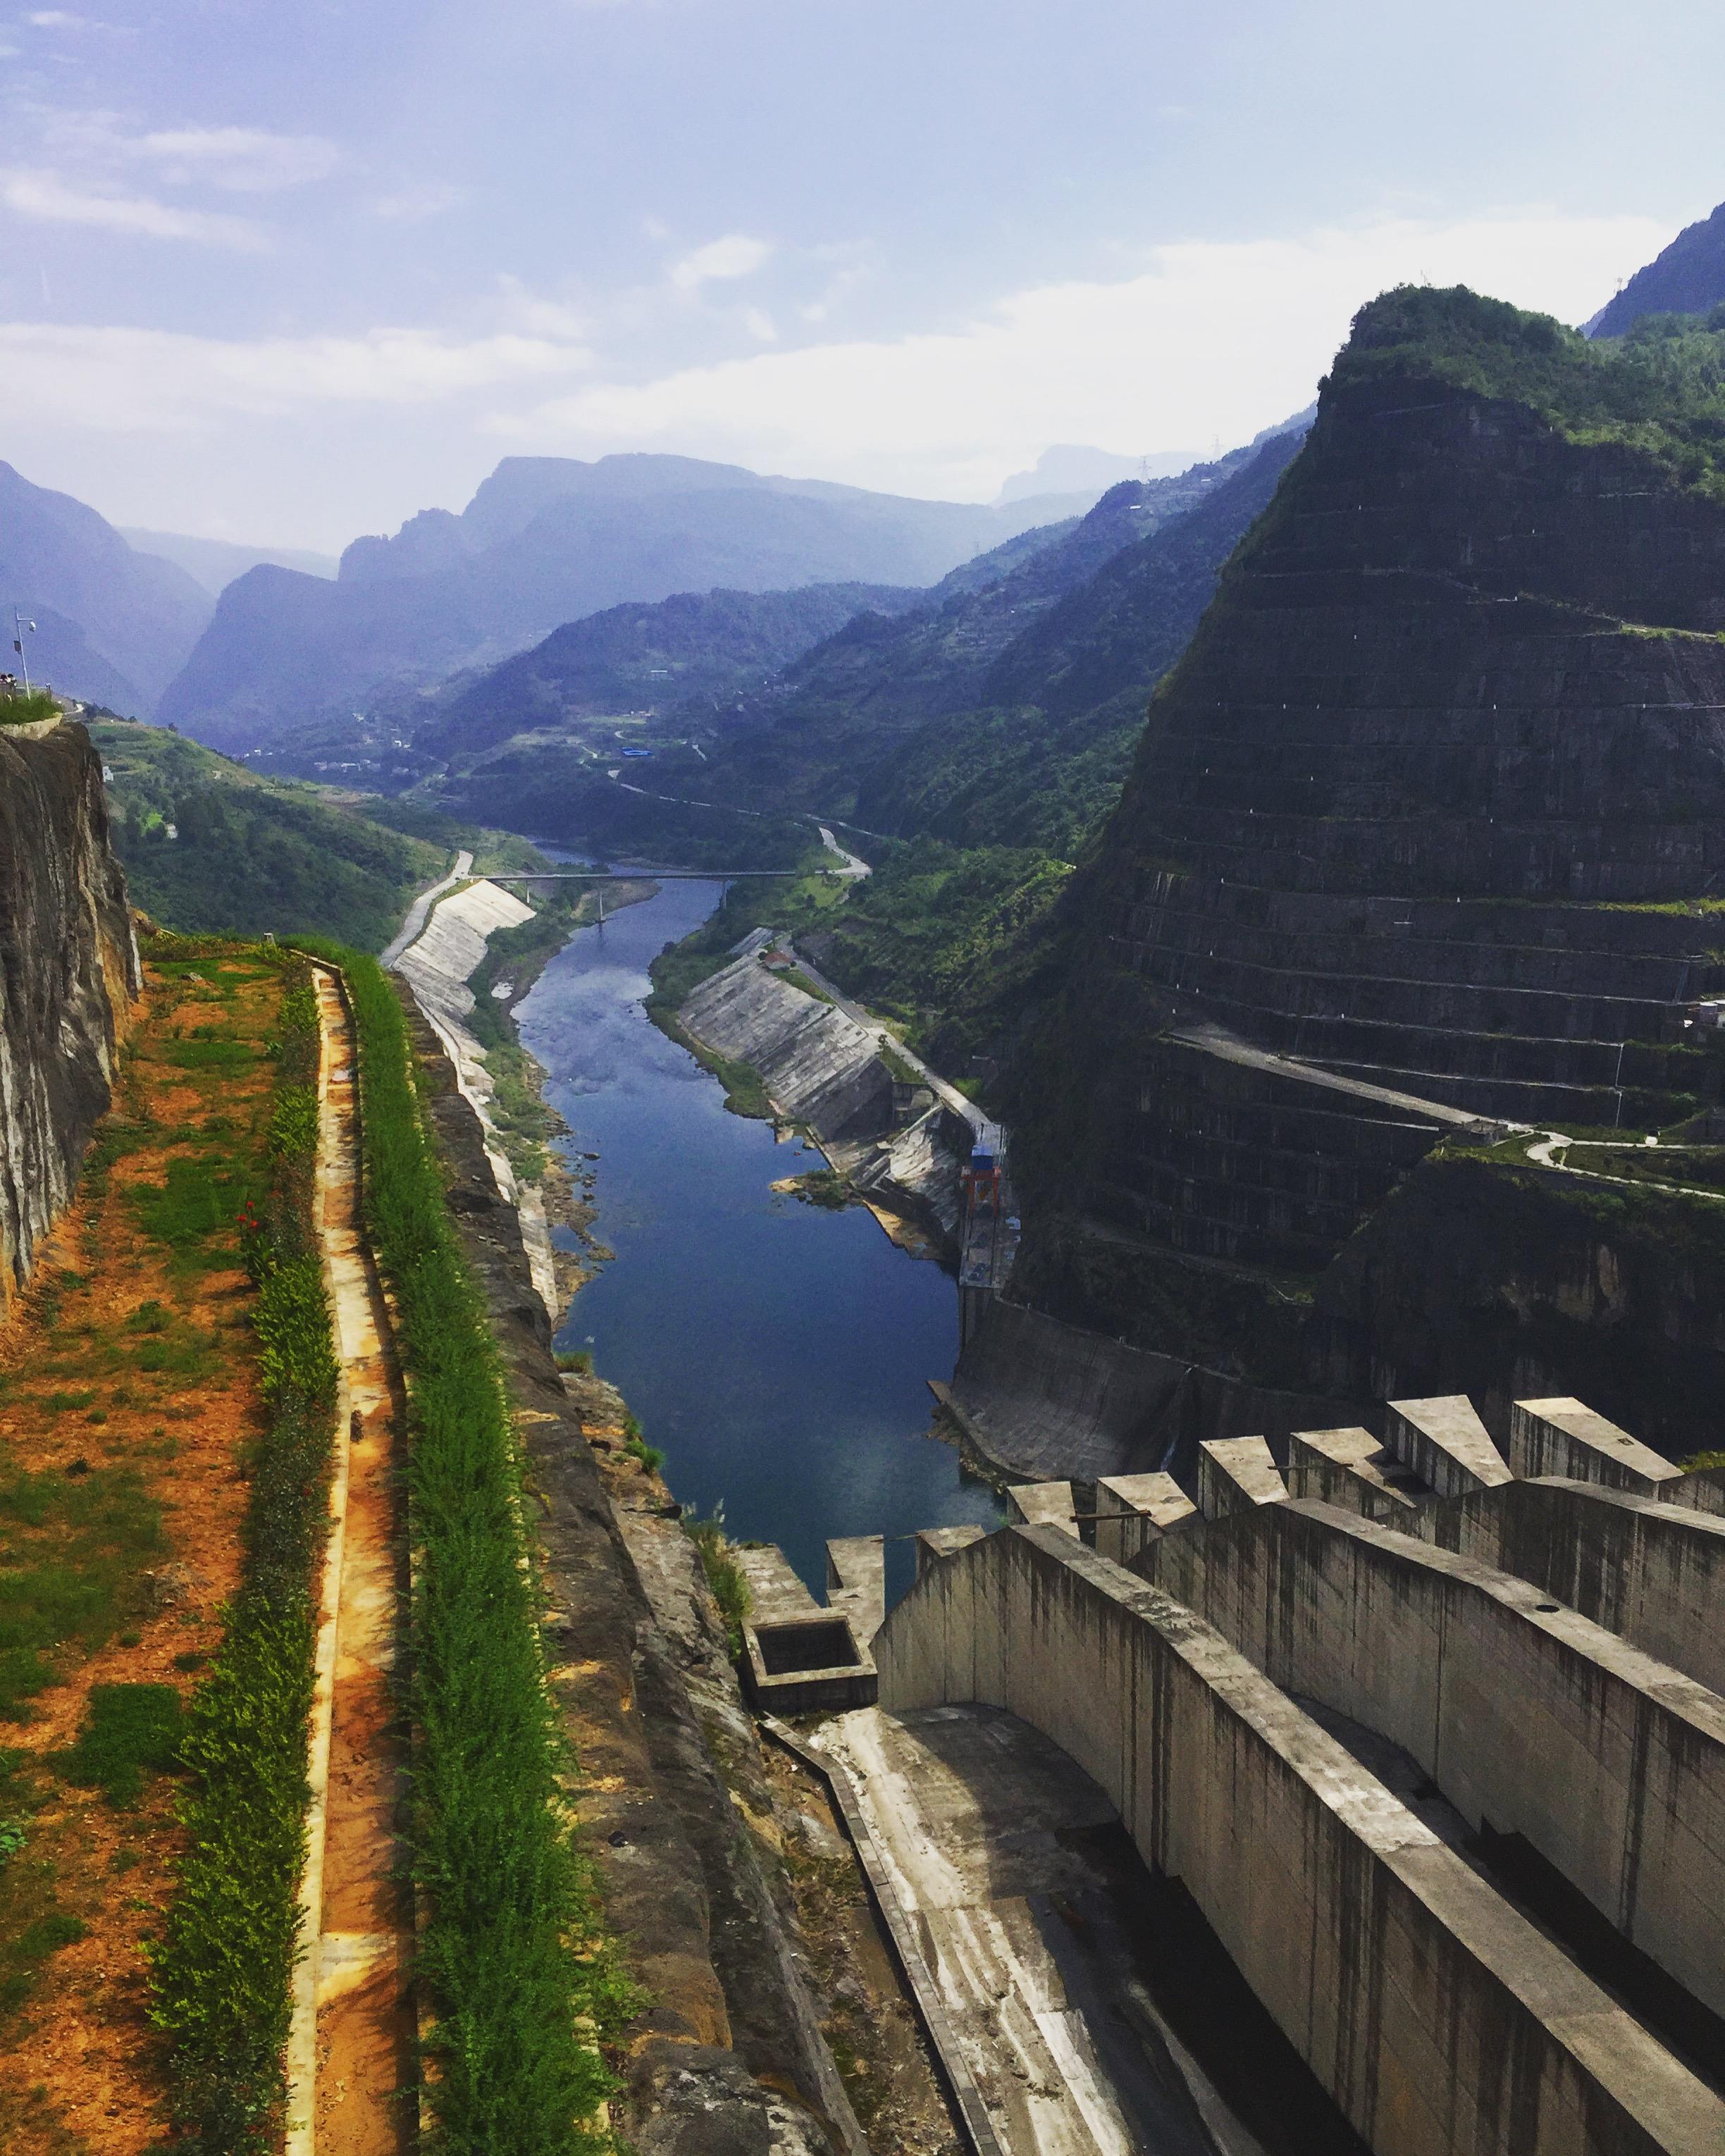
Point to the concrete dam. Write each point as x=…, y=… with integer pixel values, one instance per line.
x=1400, y=1764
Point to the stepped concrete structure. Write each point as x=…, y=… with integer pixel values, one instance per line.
x=1415, y=1749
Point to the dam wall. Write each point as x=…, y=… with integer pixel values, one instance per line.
x=1529, y=1718
x=1437, y=2016
x=68, y=969
x=1652, y=1571
x=1042, y=1398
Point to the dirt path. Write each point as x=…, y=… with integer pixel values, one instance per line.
x=350, y=2055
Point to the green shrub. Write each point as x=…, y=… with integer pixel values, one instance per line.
x=520, y=1975
x=725, y=1576
x=128, y=1728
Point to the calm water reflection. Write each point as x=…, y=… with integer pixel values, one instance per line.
x=777, y=1354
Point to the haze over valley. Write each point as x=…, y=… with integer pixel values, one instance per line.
x=862, y=1081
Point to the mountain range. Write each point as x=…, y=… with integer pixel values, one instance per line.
x=1688, y=278
x=545, y=540
x=113, y=626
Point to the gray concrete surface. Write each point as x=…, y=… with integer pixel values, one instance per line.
x=1008, y=1859
x=1653, y=1573
x=1566, y=1437
x=1527, y=1716
x=1234, y=1474
x=1351, y=1469
x=1445, y=1443
x=1443, y=2023
x=1139, y=1508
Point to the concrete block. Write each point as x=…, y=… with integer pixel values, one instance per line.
x=1234, y=1474
x=934, y=1544
x=856, y=1581
x=808, y=1665
x=1137, y=1509
x=1051, y=1504
x=1351, y=1469
x=1565, y=1437
x=1444, y=1442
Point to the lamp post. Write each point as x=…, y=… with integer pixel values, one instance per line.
x=19, y=627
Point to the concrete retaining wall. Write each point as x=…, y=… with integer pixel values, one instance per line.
x=1526, y=1715
x=1046, y=1398
x=1436, y=2017
x=1653, y=1573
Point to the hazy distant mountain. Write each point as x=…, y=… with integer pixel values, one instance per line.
x=545, y=540
x=1070, y=469
x=112, y=626
x=1687, y=279
x=707, y=644
x=215, y=563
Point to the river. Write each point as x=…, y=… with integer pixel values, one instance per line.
x=777, y=1354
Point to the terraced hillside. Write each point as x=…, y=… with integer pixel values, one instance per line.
x=1428, y=826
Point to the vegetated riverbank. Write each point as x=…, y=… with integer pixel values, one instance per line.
x=725, y=2043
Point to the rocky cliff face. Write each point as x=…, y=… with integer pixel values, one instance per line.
x=69, y=969
x=1427, y=826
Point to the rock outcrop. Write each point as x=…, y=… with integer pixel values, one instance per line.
x=68, y=969
x=1425, y=830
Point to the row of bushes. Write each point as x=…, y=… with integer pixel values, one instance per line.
x=222, y=1977
x=523, y=1986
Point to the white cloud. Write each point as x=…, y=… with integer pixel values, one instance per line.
x=1211, y=341
x=735, y=255
x=412, y=205
x=56, y=19
x=246, y=159
x=535, y=315
x=760, y=326
x=46, y=196
x=122, y=380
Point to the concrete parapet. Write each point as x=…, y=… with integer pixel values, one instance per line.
x=1441, y=2022
x=1652, y=1572
x=1565, y=1437
x=1351, y=1469
x=1234, y=1474
x=856, y=1581
x=934, y=1544
x=1445, y=1444
x=1527, y=1716
x=1132, y=1510
x=1051, y=1504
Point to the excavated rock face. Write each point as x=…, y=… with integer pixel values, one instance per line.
x=69, y=968
x=1391, y=852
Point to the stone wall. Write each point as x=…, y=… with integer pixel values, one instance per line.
x=68, y=969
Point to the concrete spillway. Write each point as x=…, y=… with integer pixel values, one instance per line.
x=1460, y=1842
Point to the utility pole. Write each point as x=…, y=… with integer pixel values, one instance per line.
x=18, y=626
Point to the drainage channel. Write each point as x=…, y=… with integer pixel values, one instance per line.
x=351, y=2047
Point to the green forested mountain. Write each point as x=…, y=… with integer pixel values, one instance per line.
x=209, y=845
x=1687, y=279
x=697, y=647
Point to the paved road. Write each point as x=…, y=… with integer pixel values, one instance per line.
x=420, y=907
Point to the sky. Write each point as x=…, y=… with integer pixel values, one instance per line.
x=285, y=271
